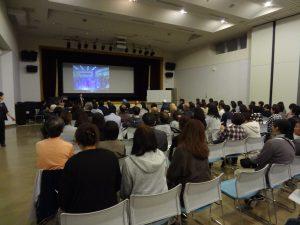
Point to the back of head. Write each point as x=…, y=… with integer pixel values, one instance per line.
x=247, y=116
x=267, y=107
x=144, y=140
x=213, y=111
x=54, y=127
x=296, y=110
x=211, y=100
x=136, y=110
x=153, y=105
x=176, y=115
x=1, y=94
x=243, y=108
x=111, y=131
x=239, y=103
x=164, y=118
x=261, y=104
x=88, y=106
x=281, y=106
x=82, y=117
x=98, y=120
x=123, y=108
x=292, y=105
x=226, y=108
x=112, y=109
x=199, y=115
x=101, y=103
x=87, y=135
x=238, y=118
x=256, y=109
x=233, y=104
x=275, y=109
x=193, y=139
x=66, y=116
x=183, y=121
x=284, y=127
x=149, y=119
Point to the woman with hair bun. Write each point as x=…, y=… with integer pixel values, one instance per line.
x=92, y=178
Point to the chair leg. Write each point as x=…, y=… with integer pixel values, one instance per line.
x=274, y=205
x=222, y=212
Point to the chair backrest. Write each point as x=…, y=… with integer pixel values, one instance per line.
x=128, y=145
x=111, y=216
x=250, y=182
x=254, y=144
x=216, y=151
x=198, y=195
x=234, y=147
x=278, y=174
x=146, y=209
x=130, y=132
x=295, y=167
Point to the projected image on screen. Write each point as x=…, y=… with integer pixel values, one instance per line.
x=90, y=78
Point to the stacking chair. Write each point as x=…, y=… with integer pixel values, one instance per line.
x=234, y=148
x=111, y=216
x=295, y=168
x=254, y=145
x=145, y=209
x=199, y=196
x=215, y=152
x=244, y=186
x=277, y=176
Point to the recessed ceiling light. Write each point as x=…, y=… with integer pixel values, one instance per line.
x=182, y=11
x=223, y=21
x=268, y=3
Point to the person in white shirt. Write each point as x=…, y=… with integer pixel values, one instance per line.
x=251, y=127
x=112, y=116
x=213, y=122
x=68, y=133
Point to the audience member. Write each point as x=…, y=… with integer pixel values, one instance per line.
x=227, y=115
x=111, y=116
x=187, y=111
x=172, y=108
x=175, y=123
x=279, y=149
x=251, y=126
x=256, y=115
x=103, y=108
x=275, y=116
x=125, y=116
x=144, y=109
x=82, y=118
x=190, y=159
x=143, y=172
x=68, y=133
x=266, y=111
x=199, y=115
x=164, y=124
x=221, y=108
x=282, y=110
x=135, y=120
x=290, y=113
x=98, y=120
x=213, y=123
x=111, y=142
x=181, y=103
x=96, y=108
x=91, y=178
x=161, y=137
x=53, y=152
x=296, y=136
x=233, y=106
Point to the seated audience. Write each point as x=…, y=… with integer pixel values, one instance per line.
x=290, y=113
x=98, y=120
x=161, y=137
x=111, y=116
x=175, y=123
x=227, y=115
x=68, y=133
x=294, y=116
x=279, y=149
x=187, y=111
x=213, y=123
x=135, y=120
x=125, y=116
x=96, y=108
x=221, y=108
x=251, y=126
x=144, y=109
x=190, y=159
x=275, y=116
x=82, y=117
x=296, y=136
x=53, y=152
x=256, y=115
x=91, y=178
x=88, y=108
x=233, y=106
x=181, y=103
x=204, y=106
x=144, y=171
x=261, y=106
x=282, y=110
x=111, y=142
x=199, y=115
x=164, y=124
x=103, y=108
x=172, y=108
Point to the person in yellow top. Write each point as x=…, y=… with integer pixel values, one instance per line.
x=53, y=152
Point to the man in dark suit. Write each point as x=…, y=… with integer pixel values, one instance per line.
x=161, y=138
x=3, y=116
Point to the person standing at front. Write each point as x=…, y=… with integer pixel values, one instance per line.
x=3, y=116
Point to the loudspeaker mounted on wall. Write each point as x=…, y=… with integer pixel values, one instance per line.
x=28, y=56
x=170, y=66
x=31, y=69
x=169, y=74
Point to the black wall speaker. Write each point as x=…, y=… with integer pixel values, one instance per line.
x=169, y=74
x=28, y=56
x=170, y=66
x=31, y=69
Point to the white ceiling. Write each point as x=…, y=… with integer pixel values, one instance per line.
x=145, y=22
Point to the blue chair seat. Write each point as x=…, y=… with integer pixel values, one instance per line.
x=214, y=160
x=228, y=188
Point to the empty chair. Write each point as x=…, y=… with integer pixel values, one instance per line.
x=116, y=215
x=215, y=152
x=277, y=176
x=254, y=144
x=244, y=186
x=295, y=168
x=236, y=147
x=146, y=209
x=198, y=196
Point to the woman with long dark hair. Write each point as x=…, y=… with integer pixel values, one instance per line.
x=213, y=121
x=190, y=159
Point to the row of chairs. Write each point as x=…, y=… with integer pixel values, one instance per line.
x=236, y=147
x=146, y=209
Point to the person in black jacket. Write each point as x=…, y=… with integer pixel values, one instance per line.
x=3, y=116
x=92, y=178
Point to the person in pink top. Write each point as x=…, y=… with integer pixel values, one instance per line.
x=53, y=152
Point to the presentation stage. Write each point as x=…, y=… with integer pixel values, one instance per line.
x=83, y=78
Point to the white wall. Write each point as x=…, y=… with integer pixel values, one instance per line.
x=204, y=74
x=287, y=59
x=9, y=61
x=261, y=56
